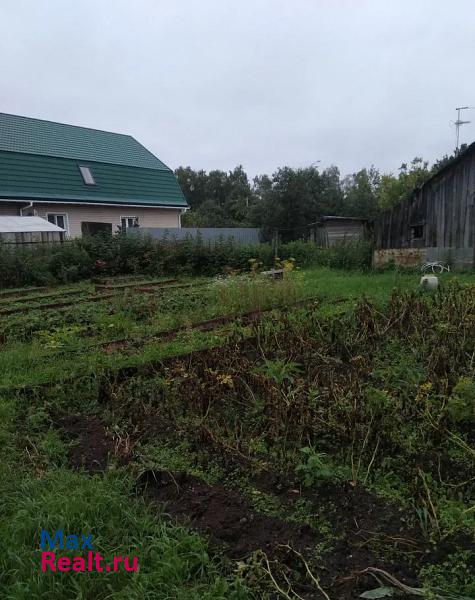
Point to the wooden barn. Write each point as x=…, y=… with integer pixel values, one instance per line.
x=436, y=223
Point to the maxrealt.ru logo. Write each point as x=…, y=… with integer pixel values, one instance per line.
x=92, y=561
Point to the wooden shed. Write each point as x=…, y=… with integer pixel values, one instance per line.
x=334, y=230
x=436, y=223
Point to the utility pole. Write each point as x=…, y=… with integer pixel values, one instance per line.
x=458, y=123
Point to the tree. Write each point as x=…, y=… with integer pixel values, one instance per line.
x=292, y=199
x=217, y=198
x=332, y=195
x=288, y=202
x=396, y=189
x=361, y=193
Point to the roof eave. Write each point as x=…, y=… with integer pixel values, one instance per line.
x=61, y=199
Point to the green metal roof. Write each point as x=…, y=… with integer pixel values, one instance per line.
x=39, y=160
x=33, y=177
x=46, y=138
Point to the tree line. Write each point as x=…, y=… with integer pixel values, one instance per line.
x=290, y=199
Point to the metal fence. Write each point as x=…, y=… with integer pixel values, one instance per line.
x=240, y=235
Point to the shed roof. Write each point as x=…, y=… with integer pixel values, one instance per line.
x=339, y=218
x=47, y=138
x=26, y=225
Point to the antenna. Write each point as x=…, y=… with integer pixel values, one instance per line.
x=458, y=123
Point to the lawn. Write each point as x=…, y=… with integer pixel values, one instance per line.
x=243, y=438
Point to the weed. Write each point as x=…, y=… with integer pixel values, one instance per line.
x=455, y=575
x=280, y=371
x=315, y=467
x=461, y=404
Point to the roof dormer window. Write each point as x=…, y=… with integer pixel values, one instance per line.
x=87, y=175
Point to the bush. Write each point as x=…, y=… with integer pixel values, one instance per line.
x=70, y=263
x=343, y=255
x=138, y=254
x=24, y=266
x=461, y=404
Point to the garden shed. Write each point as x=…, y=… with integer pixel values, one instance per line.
x=29, y=230
x=336, y=230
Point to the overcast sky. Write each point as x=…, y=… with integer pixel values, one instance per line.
x=262, y=83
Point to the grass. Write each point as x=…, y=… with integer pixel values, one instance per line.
x=351, y=390
x=38, y=343
x=174, y=563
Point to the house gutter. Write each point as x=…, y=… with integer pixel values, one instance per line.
x=83, y=203
x=30, y=205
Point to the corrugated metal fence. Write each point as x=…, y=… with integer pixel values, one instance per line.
x=241, y=235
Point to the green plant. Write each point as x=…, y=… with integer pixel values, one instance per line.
x=461, y=403
x=454, y=575
x=280, y=371
x=315, y=467
x=107, y=254
x=59, y=336
x=53, y=447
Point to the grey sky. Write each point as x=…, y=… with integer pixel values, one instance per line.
x=264, y=83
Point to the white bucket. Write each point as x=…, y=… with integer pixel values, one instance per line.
x=429, y=282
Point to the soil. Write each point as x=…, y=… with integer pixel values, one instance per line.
x=92, y=445
x=116, y=346
x=369, y=532
x=224, y=514
x=363, y=528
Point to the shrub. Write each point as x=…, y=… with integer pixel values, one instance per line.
x=343, y=255
x=461, y=404
x=70, y=263
x=138, y=254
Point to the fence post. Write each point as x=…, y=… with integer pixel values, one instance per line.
x=275, y=243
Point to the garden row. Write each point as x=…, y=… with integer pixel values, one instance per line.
x=320, y=456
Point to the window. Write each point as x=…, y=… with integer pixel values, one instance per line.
x=59, y=219
x=87, y=175
x=417, y=232
x=126, y=222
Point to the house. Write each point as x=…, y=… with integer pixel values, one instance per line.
x=28, y=230
x=436, y=223
x=83, y=180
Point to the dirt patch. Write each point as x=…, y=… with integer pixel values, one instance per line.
x=92, y=445
x=224, y=514
x=115, y=346
x=363, y=527
x=368, y=531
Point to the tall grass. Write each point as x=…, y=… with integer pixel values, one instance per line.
x=254, y=292
x=173, y=563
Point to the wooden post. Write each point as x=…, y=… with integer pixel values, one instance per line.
x=276, y=244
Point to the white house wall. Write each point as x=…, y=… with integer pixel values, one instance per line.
x=77, y=214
